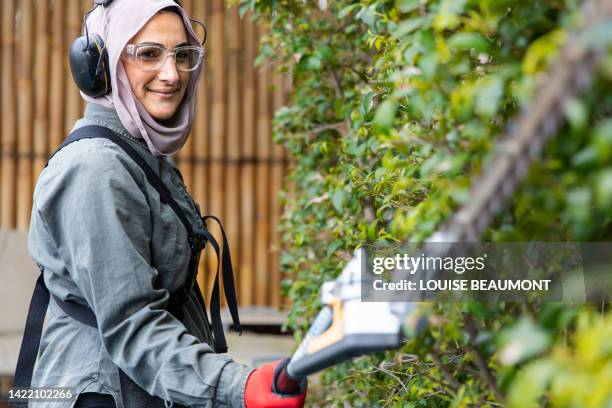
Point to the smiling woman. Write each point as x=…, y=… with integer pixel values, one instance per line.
x=155, y=79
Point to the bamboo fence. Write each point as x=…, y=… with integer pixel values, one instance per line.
x=229, y=162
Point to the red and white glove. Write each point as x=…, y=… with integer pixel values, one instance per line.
x=261, y=390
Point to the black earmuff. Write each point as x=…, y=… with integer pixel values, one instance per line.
x=89, y=60
x=89, y=65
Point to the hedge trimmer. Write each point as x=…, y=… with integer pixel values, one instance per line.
x=346, y=327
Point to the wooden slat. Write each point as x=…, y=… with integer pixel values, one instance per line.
x=247, y=172
x=246, y=284
x=262, y=194
x=9, y=136
x=216, y=183
x=6, y=382
x=275, y=207
x=185, y=155
x=41, y=72
x=56, y=93
x=289, y=187
x=233, y=83
x=85, y=7
x=200, y=145
x=3, y=78
x=232, y=180
x=217, y=79
x=25, y=111
x=275, y=212
x=72, y=98
x=262, y=231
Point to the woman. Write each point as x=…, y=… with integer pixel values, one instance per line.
x=104, y=239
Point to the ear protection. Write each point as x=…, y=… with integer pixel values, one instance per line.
x=89, y=60
x=89, y=65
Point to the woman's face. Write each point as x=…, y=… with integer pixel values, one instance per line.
x=160, y=92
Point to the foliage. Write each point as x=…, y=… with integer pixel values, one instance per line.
x=396, y=105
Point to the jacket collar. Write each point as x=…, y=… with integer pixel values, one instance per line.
x=108, y=117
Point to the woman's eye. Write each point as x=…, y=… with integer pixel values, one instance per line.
x=150, y=54
x=182, y=55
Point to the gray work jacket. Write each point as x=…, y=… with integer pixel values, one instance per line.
x=105, y=240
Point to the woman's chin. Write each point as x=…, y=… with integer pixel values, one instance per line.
x=161, y=114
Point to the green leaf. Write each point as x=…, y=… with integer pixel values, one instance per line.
x=448, y=18
x=314, y=63
x=368, y=16
x=579, y=203
x=259, y=59
x=467, y=41
x=576, y=113
x=408, y=26
x=489, y=96
x=325, y=53
x=604, y=189
x=333, y=247
x=347, y=10
x=531, y=385
x=585, y=159
x=385, y=114
x=579, y=212
x=406, y=6
x=522, y=341
x=542, y=50
x=455, y=6
x=372, y=230
x=428, y=64
x=602, y=136
x=366, y=102
x=338, y=200
x=245, y=6
x=287, y=258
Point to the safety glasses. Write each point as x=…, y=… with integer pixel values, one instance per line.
x=149, y=57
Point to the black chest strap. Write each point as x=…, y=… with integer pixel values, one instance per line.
x=197, y=239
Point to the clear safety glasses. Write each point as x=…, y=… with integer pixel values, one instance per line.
x=153, y=57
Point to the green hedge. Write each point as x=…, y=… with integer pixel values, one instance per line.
x=396, y=105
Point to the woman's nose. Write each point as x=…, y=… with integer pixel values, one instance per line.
x=168, y=71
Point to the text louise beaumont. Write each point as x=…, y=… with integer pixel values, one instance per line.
x=463, y=285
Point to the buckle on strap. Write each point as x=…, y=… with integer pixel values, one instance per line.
x=197, y=239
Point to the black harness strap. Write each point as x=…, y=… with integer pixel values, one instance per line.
x=228, y=283
x=196, y=238
x=77, y=311
x=32, y=334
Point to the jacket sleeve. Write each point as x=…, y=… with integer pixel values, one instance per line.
x=99, y=219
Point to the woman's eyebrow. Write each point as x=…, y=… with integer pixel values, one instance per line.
x=162, y=45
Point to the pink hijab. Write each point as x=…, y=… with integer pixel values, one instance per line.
x=116, y=24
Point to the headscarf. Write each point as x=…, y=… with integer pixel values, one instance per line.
x=116, y=24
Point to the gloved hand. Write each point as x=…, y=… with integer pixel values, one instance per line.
x=260, y=389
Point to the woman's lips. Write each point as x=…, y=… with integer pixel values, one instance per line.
x=163, y=94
